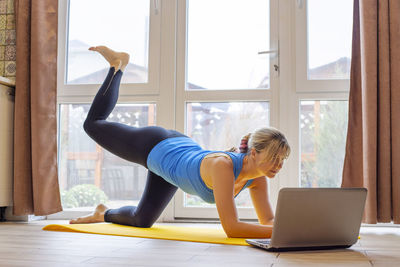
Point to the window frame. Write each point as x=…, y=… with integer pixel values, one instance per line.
x=325, y=96
x=152, y=87
x=294, y=87
x=162, y=97
x=288, y=87
x=186, y=96
x=318, y=90
x=301, y=37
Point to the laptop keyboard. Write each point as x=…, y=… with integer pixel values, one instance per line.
x=264, y=241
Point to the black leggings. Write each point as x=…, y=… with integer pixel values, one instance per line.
x=132, y=144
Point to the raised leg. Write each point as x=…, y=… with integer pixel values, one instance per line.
x=130, y=143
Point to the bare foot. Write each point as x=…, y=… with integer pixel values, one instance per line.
x=118, y=60
x=95, y=217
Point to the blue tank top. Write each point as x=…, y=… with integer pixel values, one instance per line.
x=178, y=159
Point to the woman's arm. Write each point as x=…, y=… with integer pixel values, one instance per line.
x=223, y=186
x=259, y=196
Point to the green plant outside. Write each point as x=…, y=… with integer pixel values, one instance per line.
x=84, y=195
x=326, y=170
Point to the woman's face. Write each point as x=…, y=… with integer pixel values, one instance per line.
x=268, y=168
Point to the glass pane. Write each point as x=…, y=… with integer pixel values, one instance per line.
x=329, y=38
x=220, y=126
x=121, y=25
x=224, y=39
x=90, y=175
x=323, y=130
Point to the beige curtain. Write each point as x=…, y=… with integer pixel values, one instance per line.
x=373, y=140
x=36, y=189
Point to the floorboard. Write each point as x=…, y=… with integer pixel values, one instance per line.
x=25, y=244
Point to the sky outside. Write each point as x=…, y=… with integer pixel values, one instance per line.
x=224, y=35
x=119, y=24
x=330, y=26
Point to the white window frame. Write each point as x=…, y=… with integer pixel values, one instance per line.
x=163, y=96
x=302, y=82
x=150, y=88
x=288, y=88
x=294, y=87
x=317, y=90
x=187, y=96
x=304, y=89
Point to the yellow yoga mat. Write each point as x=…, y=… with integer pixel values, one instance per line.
x=203, y=235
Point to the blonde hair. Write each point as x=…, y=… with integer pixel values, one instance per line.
x=267, y=139
x=270, y=140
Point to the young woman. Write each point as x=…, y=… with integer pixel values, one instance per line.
x=176, y=161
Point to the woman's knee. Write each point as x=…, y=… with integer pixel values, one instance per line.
x=90, y=126
x=143, y=222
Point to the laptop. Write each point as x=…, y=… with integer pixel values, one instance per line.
x=315, y=218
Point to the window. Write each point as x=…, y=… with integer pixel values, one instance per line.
x=89, y=174
x=214, y=70
x=329, y=39
x=323, y=128
x=224, y=80
x=133, y=19
x=323, y=71
x=323, y=45
x=131, y=26
x=227, y=53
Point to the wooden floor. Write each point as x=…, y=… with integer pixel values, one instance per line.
x=25, y=244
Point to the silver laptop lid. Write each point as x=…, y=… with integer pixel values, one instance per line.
x=307, y=217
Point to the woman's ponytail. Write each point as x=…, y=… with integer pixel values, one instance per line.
x=244, y=147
